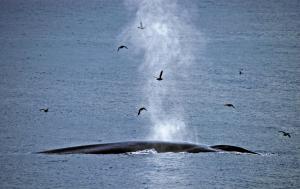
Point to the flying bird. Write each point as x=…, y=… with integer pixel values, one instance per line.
x=44, y=109
x=121, y=47
x=160, y=76
x=141, y=26
x=141, y=109
x=229, y=105
x=285, y=133
x=241, y=71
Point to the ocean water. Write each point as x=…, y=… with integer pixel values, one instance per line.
x=63, y=55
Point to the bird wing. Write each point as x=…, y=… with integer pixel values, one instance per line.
x=141, y=109
x=161, y=73
x=125, y=47
x=229, y=105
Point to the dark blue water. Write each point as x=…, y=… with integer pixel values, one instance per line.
x=62, y=55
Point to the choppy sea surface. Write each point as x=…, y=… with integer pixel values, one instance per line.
x=62, y=55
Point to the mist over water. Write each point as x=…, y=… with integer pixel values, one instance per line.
x=163, y=48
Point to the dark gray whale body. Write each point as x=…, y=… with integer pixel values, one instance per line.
x=135, y=146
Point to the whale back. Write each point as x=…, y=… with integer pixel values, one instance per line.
x=135, y=146
x=229, y=148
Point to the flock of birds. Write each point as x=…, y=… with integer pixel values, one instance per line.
x=160, y=79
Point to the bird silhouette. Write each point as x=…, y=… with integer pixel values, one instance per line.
x=141, y=109
x=160, y=76
x=241, y=71
x=229, y=105
x=121, y=47
x=285, y=133
x=44, y=109
x=141, y=26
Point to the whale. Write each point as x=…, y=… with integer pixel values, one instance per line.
x=136, y=146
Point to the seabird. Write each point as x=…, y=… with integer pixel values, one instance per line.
x=160, y=76
x=229, y=105
x=141, y=109
x=241, y=71
x=121, y=47
x=141, y=26
x=44, y=110
x=285, y=133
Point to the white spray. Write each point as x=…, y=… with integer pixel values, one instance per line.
x=163, y=44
